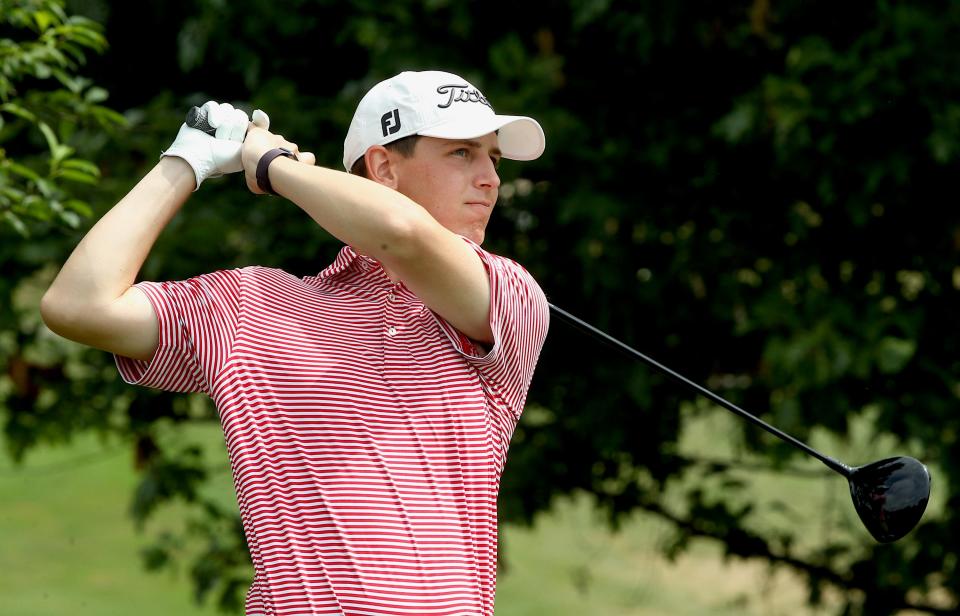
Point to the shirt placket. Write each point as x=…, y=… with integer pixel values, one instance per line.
x=392, y=323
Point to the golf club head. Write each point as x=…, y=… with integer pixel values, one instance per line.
x=890, y=496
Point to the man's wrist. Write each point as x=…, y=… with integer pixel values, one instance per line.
x=178, y=171
x=263, y=168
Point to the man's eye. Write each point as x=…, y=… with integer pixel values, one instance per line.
x=461, y=151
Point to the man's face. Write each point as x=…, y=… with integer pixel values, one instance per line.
x=455, y=180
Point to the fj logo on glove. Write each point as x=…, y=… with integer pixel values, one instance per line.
x=461, y=94
x=390, y=122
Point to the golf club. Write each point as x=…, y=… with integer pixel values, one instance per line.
x=889, y=495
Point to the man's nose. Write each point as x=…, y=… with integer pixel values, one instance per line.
x=488, y=176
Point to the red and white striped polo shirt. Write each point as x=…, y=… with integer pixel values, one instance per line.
x=366, y=435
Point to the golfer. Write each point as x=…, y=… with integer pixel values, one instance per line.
x=367, y=409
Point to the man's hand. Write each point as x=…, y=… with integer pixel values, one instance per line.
x=210, y=156
x=258, y=142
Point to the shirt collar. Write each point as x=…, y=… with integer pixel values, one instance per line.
x=347, y=260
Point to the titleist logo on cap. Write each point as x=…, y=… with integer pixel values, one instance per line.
x=461, y=94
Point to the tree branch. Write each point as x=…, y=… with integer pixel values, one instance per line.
x=747, y=545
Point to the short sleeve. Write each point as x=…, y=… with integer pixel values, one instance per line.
x=519, y=319
x=197, y=320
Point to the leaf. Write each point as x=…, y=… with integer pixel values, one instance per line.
x=84, y=166
x=14, y=221
x=76, y=176
x=75, y=51
x=83, y=34
x=738, y=124
x=52, y=142
x=17, y=110
x=71, y=219
x=46, y=187
x=155, y=557
x=95, y=95
x=24, y=172
x=71, y=83
x=6, y=88
x=80, y=207
x=108, y=117
x=10, y=196
x=38, y=207
x=894, y=353
x=44, y=19
x=59, y=153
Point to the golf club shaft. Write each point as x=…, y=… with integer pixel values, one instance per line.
x=833, y=464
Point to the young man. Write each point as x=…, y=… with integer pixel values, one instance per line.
x=367, y=410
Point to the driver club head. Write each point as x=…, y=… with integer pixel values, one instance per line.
x=890, y=496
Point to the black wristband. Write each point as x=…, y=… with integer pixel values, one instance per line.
x=263, y=166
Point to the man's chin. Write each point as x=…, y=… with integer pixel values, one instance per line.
x=474, y=234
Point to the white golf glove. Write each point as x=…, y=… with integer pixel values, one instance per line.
x=261, y=119
x=210, y=156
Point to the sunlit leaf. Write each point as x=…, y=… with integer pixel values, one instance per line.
x=14, y=221
x=76, y=176
x=894, y=353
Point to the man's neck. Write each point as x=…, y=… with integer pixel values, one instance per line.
x=390, y=274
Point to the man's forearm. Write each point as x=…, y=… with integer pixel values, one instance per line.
x=106, y=262
x=434, y=262
x=375, y=220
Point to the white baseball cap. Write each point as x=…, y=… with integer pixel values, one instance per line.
x=435, y=104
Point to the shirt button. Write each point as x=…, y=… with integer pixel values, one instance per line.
x=392, y=331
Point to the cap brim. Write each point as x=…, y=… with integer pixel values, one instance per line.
x=520, y=137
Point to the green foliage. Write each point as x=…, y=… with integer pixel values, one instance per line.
x=41, y=96
x=751, y=192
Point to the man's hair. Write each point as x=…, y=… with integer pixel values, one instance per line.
x=404, y=147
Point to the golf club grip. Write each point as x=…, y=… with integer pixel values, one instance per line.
x=836, y=465
x=197, y=118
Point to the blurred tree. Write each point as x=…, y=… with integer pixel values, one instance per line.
x=51, y=121
x=46, y=49
x=751, y=191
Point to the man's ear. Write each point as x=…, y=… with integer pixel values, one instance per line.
x=381, y=167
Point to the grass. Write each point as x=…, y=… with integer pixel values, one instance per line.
x=569, y=564
x=69, y=547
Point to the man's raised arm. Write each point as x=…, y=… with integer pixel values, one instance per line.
x=380, y=221
x=92, y=300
